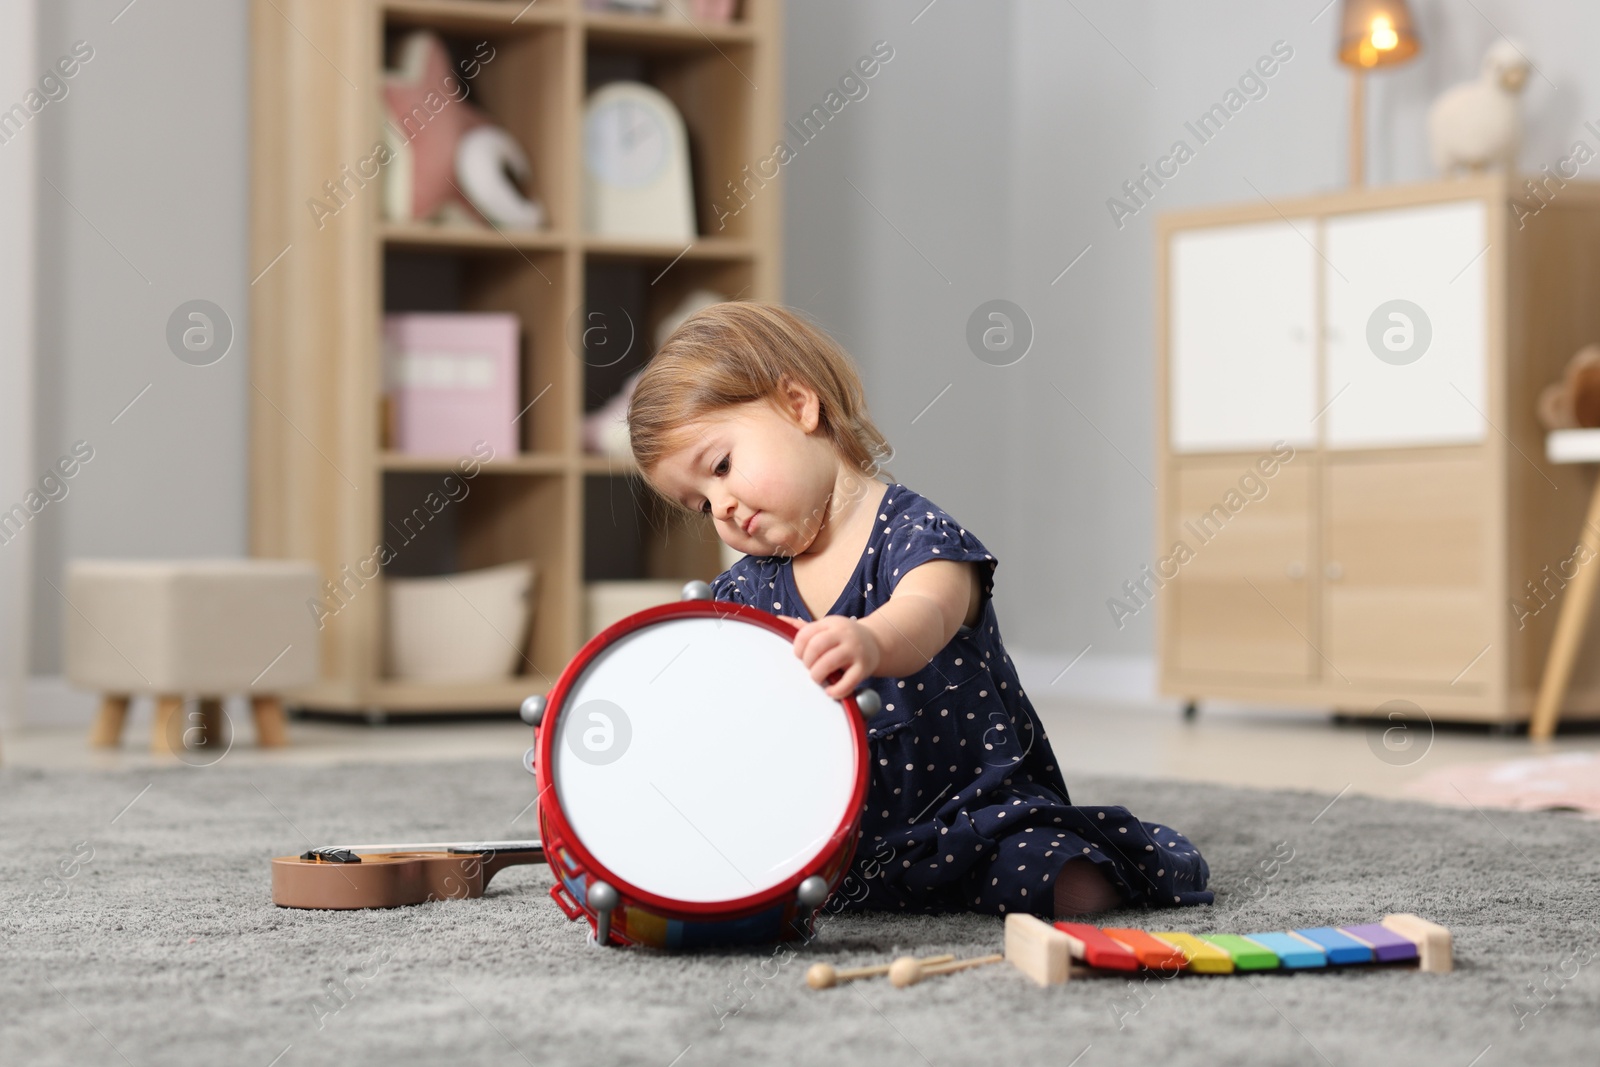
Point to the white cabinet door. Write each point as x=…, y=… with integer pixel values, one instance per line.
x=1406, y=326
x=1241, y=331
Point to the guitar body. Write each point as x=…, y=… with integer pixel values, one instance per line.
x=392, y=876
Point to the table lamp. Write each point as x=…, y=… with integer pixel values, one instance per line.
x=1372, y=33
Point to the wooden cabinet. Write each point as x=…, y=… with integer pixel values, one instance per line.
x=1393, y=341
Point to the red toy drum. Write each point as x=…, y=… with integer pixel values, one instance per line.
x=696, y=787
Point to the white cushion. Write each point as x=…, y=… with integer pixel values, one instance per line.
x=205, y=627
x=468, y=627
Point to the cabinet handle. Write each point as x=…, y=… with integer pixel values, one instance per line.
x=1295, y=571
x=1334, y=571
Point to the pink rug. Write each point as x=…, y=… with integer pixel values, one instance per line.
x=1569, y=781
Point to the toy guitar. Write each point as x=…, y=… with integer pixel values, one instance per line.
x=390, y=876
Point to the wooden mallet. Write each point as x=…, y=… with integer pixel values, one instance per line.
x=825, y=976
x=908, y=970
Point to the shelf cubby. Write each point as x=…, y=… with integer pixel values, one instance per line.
x=710, y=88
x=626, y=299
x=494, y=517
x=531, y=284
x=632, y=536
x=513, y=74
x=512, y=517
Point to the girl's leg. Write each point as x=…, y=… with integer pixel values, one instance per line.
x=1082, y=890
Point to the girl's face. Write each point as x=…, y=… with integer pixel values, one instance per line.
x=763, y=474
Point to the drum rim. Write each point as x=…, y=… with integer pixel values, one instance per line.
x=558, y=831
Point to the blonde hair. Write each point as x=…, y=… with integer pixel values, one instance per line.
x=738, y=352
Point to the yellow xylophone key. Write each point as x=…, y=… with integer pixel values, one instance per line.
x=1202, y=956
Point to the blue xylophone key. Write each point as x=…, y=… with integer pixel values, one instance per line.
x=1341, y=948
x=1291, y=951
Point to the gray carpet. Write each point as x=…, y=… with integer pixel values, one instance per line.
x=161, y=947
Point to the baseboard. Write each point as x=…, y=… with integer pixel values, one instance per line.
x=1115, y=679
x=50, y=702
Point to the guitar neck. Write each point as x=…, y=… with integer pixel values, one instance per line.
x=495, y=862
x=481, y=847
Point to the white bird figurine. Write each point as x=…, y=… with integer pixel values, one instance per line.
x=1476, y=126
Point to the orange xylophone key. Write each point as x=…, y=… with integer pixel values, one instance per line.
x=1150, y=951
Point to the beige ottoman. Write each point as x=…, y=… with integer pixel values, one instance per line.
x=180, y=628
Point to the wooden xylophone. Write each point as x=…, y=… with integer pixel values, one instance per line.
x=1048, y=953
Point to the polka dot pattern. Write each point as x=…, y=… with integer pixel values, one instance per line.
x=962, y=777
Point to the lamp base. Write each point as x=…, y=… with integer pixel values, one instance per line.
x=1358, y=129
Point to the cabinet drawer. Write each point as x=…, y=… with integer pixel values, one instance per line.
x=1241, y=605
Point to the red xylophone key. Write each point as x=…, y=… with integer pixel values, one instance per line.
x=1091, y=945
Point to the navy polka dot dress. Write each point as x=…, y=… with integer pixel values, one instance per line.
x=967, y=809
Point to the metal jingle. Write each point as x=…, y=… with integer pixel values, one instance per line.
x=604, y=900
x=532, y=710
x=869, y=702
x=530, y=759
x=696, y=590
x=813, y=891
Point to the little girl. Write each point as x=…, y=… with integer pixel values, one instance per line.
x=754, y=417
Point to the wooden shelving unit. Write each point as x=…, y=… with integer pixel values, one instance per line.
x=323, y=486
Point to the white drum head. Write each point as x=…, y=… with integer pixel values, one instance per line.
x=696, y=759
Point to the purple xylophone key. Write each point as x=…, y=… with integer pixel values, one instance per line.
x=1386, y=944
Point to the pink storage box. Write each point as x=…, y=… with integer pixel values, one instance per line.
x=452, y=381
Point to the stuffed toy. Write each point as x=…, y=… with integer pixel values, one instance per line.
x=1476, y=125
x=1574, y=402
x=448, y=162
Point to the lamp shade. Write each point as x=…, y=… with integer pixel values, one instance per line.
x=1376, y=33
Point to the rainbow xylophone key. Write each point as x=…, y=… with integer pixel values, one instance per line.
x=1398, y=939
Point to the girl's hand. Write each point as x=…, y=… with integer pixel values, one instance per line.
x=833, y=643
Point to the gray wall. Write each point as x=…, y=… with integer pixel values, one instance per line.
x=898, y=226
x=148, y=152
x=1098, y=95
x=989, y=144
x=18, y=166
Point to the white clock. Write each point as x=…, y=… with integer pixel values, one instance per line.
x=636, y=165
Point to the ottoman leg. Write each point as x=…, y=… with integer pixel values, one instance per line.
x=107, y=732
x=212, y=733
x=272, y=729
x=167, y=729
